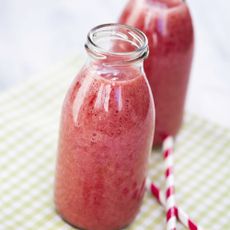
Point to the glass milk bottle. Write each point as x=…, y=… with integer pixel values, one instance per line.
x=168, y=27
x=106, y=132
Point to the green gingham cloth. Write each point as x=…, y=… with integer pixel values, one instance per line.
x=29, y=120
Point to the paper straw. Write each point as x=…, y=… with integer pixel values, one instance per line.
x=170, y=189
x=181, y=215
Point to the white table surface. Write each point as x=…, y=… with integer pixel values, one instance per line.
x=37, y=34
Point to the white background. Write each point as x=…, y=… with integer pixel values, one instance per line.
x=37, y=34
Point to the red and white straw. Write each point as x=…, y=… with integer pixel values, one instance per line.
x=170, y=189
x=181, y=215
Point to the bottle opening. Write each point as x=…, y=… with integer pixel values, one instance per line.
x=166, y=4
x=117, y=44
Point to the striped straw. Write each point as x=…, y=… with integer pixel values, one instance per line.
x=181, y=215
x=170, y=189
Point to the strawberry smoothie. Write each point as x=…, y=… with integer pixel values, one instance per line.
x=105, y=139
x=168, y=26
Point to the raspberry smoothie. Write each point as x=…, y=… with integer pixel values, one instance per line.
x=168, y=26
x=105, y=139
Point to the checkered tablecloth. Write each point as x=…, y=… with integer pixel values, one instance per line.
x=29, y=119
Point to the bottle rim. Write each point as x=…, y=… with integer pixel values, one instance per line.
x=122, y=32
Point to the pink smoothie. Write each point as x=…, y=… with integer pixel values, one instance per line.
x=105, y=137
x=168, y=26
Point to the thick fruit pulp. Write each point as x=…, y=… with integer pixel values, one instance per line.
x=105, y=138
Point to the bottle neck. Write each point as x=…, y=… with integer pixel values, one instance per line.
x=116, y=45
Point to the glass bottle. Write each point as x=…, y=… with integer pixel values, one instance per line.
x=168, y=27
x=106, y=132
